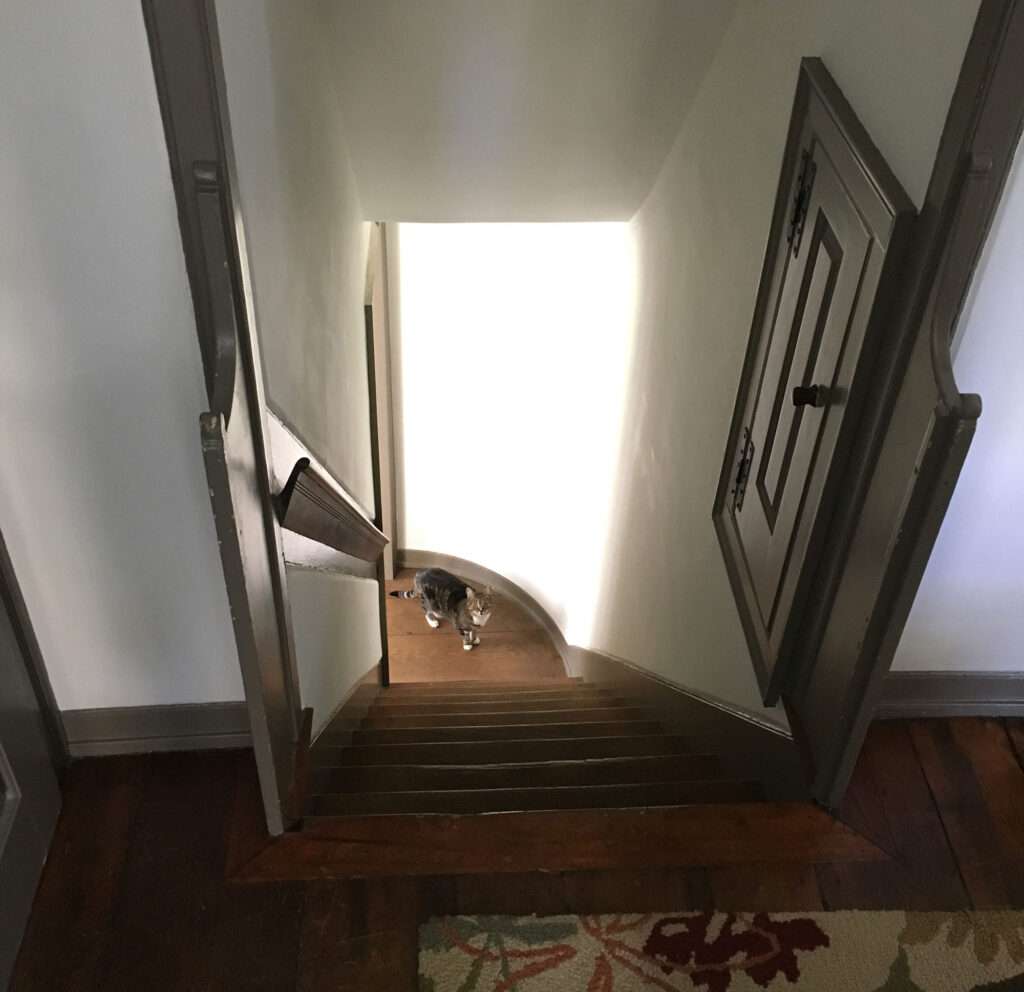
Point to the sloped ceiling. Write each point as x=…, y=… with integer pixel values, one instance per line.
x=515, y=110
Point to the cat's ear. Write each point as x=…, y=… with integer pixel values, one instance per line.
x=469, y=593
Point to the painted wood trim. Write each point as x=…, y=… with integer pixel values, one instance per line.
x=348, y=714
x=192, y=94
x=35, y=667
x=749, y=746
x=888, y=215
x=311, y=504
x=949, y=694
x=479, y=574
x=142, y=729
x=914, y=433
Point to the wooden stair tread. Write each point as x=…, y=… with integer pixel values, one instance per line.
x=505, y=732
x=499, y=717
x=484, y=752
x=484, y=685
x=366, y=846
x=585, y=771
x=641, y=795
x=469, y=704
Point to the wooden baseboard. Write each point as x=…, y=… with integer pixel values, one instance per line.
x=951, y=694
x=141, y=729
x=347, y=715
x=748, y=746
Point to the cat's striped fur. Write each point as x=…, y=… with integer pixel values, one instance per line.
x=446, y=597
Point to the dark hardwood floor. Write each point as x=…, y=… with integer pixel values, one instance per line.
x=136, y=894
x=142, y=890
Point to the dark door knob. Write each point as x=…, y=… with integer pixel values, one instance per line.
x=816, y=396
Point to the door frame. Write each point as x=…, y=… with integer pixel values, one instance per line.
x=916, y=425
x=187, y=63
x=35, y=667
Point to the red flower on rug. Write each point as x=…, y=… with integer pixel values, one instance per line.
x=758, y=945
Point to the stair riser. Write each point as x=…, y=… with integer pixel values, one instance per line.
x=513, y=800
x=611, y=771
x=457, y=688
x=487, y=719
x=489, y=752
x=621, y=728
x=542, y=700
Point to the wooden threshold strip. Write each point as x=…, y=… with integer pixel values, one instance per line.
x=370, y=846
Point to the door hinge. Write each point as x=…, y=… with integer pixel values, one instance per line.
x=804, y=185
x=739, y=489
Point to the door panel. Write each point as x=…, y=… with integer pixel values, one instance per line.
x=815, y=330
x=838, y=232
x=29, y=795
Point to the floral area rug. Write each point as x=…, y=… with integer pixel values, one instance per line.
x=726, y=952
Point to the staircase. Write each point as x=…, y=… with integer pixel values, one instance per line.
x=491, y=747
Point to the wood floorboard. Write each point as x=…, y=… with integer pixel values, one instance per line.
x=646, y=890
x=924, y=874
x=524, y=894
x=965, y=762
x=72, y=912
x=763, y=888
x=165, y=930
x=359, y=936
x=162, y=877
x=686, y=836
x=136, y=896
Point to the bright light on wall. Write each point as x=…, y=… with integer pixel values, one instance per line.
x=515, y=351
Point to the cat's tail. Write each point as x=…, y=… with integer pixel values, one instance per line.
x=405, y=594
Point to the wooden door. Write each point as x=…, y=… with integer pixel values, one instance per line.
x=29, y=795
x=841, y=224
x=190, y=84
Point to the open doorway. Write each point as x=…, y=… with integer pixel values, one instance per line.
x=512, y=350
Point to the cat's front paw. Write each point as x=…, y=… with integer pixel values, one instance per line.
x=433, y=623
x=468, y=647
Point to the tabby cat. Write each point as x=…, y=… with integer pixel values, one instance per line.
x=446, y=597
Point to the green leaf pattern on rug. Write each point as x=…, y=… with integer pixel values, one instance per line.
x=842, y=951
x=899, y=979
x=989, y=932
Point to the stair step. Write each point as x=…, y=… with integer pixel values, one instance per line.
x=586, y=771
x=484, y=685
x=530, y=700
x=489, y=752
x=564, y=797
x=501, y=718
x=506, y=732
x=355, y=846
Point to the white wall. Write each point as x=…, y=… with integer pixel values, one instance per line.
x=701, y=235
x=308, y=246
x=306, y=235
x=103, y=497
x=968, y=612
x=514, y=352
x=519, y=110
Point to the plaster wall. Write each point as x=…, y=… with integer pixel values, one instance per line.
x=523, y=110
x=307, y=239
x=308, y=246
x=103, y=498
x=666, y=602
x=967, y=614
